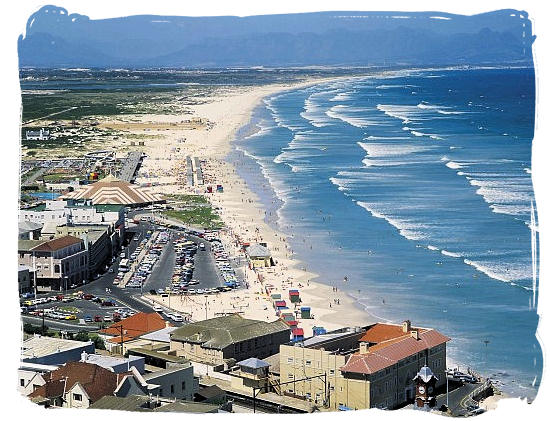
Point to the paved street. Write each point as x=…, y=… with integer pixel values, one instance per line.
x=127, y=298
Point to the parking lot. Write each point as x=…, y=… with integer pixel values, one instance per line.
x=162, y=261
x=79, y=308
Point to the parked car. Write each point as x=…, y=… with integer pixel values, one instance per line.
x=98, y=318
x=88, y=319
x=107, y=318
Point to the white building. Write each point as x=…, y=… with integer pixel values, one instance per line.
x=41, y=134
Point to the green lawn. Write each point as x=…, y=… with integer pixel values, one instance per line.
x=202, y=216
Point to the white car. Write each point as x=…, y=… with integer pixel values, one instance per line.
x=158, y=308
x=177, y=318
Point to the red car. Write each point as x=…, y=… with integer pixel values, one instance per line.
x=116, y=317
x=59, y=297
x=97, y=318
x=88, y=296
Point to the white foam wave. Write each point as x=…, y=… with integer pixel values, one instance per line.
x=342, y=96
x=314, y=112
x=407, y=228
x=454, y=165
x=351, y=115
x=434, y=248
x=382, y=150
x=450, y=253
x=502, y=271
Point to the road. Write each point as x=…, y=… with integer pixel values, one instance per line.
x=456, y=397
x=205, y=271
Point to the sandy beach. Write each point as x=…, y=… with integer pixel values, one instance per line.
x=241, y=211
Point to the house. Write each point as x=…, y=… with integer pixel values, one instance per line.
x=118, y=335
x=259, y=256
x=366, y=367
x=29, y=230
x=31, y=375
x=25, y=276
x=59, y=263
x=227, y=339
x=176, y=381
x=41, y=134
x=114, y=364
x=75, y=385
x=53, y=351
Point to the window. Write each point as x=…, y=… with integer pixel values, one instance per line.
x=289, y=360
x=331, y=371
x=77, y=396
x=22, y=382
x=172, y=389
x=290, y=375
x=182, y=385
x=56, y=268
x=308, y=362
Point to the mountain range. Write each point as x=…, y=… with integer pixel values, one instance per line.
x=55, y=38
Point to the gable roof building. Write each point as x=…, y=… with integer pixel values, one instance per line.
x=76, y=384
x=132, y=328
x=216, y=340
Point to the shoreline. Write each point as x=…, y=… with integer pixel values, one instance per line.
x=230, y=111
x=247, y=222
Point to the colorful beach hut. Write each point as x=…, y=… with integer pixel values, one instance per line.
x=297, y=334
x=280, y=304
x=294, y=295
x=305, y=312
x=292, y=323
x=319, y=330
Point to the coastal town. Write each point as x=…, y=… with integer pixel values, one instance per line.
x=150, y=281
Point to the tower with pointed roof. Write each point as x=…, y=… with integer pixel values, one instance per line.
x=425, y=381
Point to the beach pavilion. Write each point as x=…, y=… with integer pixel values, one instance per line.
x=259, y=256
x=112, y=191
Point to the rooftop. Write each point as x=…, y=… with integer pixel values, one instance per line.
x=106, y=361
x=40, y=346
x=96, y=381
x=257, y=250
x=136, y=325
x=162, y=335
x=112, y=191
x=58, y=243
x=386, y=354
x=381, y=332
x=167, y=370
x=253, y=363
x=220, y=332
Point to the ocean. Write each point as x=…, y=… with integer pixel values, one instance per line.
x=415, y=187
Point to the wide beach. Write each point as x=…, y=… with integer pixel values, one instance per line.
x=243, y=216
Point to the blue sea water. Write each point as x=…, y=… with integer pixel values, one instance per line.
x=416, y=186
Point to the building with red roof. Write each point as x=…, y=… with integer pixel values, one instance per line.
x=367, y=367
x=76, y=385
x=130, y=329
